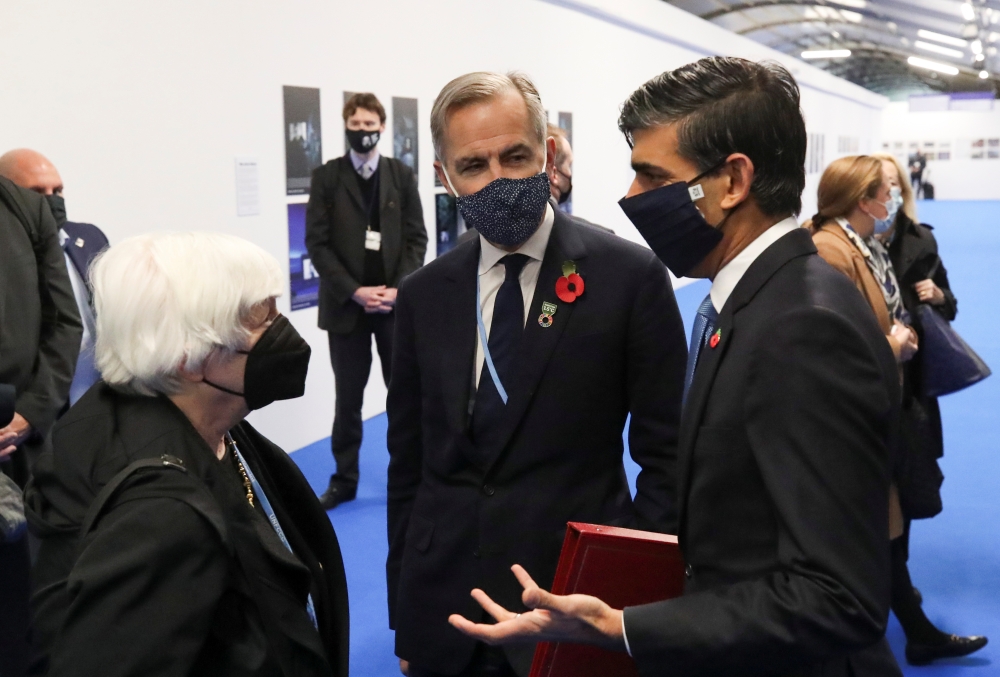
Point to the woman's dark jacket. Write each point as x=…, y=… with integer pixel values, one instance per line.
x=179, y=575
x=914, y=255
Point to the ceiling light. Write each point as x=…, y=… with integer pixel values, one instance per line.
x=938, y=49
x=938, y=37
x=976, y=46
x=967, y=12
x=932, y=65
x=853, y=17
x=859, y=4
x=835, y=34
x=826, y=54
x=983, y=75
x=980, y=57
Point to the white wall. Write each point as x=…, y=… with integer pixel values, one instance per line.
x=960, y=177
x=144, y=106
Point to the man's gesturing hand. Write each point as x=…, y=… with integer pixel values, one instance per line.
x=580, y=619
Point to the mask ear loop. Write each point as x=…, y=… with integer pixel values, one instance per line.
x=447, y=178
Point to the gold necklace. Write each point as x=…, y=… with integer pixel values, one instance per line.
x=247, y=484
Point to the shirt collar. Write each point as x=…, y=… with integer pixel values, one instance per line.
x=534, y=247
x=726, y=279
x=359, y=161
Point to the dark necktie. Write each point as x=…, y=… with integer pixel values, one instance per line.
x=505, y=334
x=704, y=325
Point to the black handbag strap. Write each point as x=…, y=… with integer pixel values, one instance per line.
x=109, y=490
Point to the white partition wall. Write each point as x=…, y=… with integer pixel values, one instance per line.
x=144, y=107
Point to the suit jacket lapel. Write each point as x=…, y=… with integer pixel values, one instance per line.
x=538, y=343
x=349, y=179
x=458, y=335
x=388, y=226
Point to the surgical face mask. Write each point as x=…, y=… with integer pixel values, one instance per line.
x=276, y=366
x=362, y=141
x=58, y=207
x=672, y=225
x=506, y=211
x=882, y=226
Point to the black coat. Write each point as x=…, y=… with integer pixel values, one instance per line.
x=914, y=255
x=40, y=327
x=459, y=517
x=783, y=483
x=179, y=575
x=336, y=221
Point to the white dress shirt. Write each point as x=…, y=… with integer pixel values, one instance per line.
x=726, y=279
x=492, y=273
x=365, y=166
x=725, y=282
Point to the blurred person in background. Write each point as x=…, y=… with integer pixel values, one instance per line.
x=81, y=243
x=561, y=169
x=175, y=538
x=364, y=232
x=858, y=200
x=913, y=255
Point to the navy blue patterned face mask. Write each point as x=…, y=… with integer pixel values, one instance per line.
x=506, y=211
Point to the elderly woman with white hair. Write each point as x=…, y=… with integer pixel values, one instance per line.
x=175, y=539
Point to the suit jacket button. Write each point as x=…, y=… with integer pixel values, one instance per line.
x=392, y=204
x=476, y=553
x=488, y=490
x=688, y=571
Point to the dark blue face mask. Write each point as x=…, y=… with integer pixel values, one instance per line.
x=671, y=224
x=506, y=211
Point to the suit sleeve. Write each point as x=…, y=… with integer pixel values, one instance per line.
x=144, y=591
x=319, y=241
x=949, y=310
x=819, y=408
x=404, y=440
x=61, y=330
x=414, y=234
x=657, y=355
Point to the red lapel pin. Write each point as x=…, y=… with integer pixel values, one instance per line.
x=716, y=337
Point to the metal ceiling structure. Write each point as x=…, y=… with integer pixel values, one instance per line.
x=890, y=41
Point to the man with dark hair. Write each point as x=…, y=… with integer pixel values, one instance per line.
x=790, y=396
x=364, y=232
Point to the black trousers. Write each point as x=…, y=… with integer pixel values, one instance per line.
x=487, y=661
x=351, y=357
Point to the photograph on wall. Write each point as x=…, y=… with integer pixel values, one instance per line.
x=993, y=149
x=303, y=138
x=404, y=132
x=304, y=282
x=347, y=145
x=566, y=124
x=447, y=222
x=978, y=149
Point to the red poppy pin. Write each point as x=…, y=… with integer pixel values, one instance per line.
x=716, y=337
x=569, y=287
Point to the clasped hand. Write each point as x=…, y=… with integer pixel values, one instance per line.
x=14, y=435
x=580, y=619
x=379, y=299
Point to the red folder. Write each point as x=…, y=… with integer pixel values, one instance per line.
x=623, y=567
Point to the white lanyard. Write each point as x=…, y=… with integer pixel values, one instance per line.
x=484, y=342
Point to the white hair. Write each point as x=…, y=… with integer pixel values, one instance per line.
x=167, y=299
x=471, y=88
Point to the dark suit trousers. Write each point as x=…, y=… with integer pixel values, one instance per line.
x=351, y=357
x=487, y=661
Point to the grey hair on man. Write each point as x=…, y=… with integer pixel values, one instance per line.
x=480, y=86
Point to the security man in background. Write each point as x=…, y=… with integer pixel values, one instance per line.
x=364, y=232
x=81, y=243
x=561, y=170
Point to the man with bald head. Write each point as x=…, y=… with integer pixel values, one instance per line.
x=81, y=243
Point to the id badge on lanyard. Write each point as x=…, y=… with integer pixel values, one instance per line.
x=484, y=342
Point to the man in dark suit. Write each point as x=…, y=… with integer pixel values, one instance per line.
x=499, y=436
x=364, y=232
x=39, y=339
x=792, y=396
x=81, y=243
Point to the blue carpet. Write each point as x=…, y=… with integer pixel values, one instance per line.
x=955, y=558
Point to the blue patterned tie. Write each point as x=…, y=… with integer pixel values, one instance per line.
x=704, y=325
x=506, y=330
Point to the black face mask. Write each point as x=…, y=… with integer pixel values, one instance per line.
x=671, y=224
x=58, y=207
x=276, y=366
x=564, y=196
x=362, y=141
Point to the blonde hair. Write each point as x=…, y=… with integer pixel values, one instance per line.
x=909, y=200
x=471, y=88
x=167, y=299
x=845, y=182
